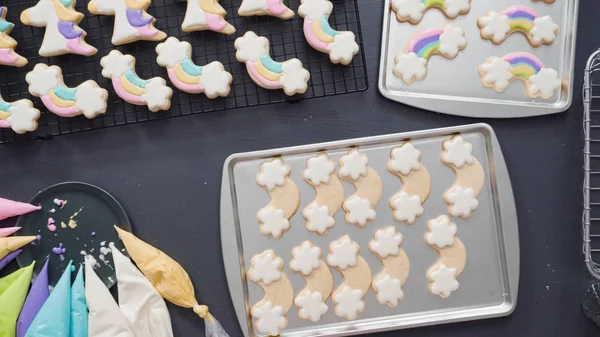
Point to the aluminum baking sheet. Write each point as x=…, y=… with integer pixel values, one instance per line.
x=454, y=86
x=488, y=285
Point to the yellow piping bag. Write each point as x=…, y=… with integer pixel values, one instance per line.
x=12, y=243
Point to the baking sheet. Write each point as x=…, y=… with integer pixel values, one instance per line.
x=488, y=285
x=454, y=86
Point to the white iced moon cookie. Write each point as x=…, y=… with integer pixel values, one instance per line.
x=396, y=266
x=265, y=7
x=414, y=10
x=20, y=116
x=206, y=15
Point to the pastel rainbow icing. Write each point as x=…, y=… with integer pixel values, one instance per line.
x=4, y=114
x=520, y=17
x=425, y=43
x=523, y=64
x=432, y=3
x=266, y=70
x=319, y=33
x=139, y=19
x=7, y=43
x=130, y=87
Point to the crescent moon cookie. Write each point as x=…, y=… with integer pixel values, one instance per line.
x=8, y=57
x=265, y=7
x=20, y=116
x=340, y=45
x=274, y=177
x=62, y=35
x=499, y=72
x=414, y=10
x=320, y=174
x=206, y=15
x=452, y=256
x=319, y=281
x=396, y=266
x=405, y=163
x=348, y=297
x=269, y=313
x=253, y=50
x=411, y=65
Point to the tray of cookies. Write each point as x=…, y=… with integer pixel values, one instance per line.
x=494, y=59
x=370, y=234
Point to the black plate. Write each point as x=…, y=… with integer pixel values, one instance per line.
x=100, y=212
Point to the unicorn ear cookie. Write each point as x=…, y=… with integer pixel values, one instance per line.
x=62, y=35
x=20, y=116
x=265, y=7
x=537, y=29
x=206, y=15
x=414, y=10
x=8, y=57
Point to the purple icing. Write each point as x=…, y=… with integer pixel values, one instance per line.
x=38, y=237
x=93, y=233
x=421, y=44
x=11, y=256
x=66, y=29
x=136, y=18
x=59, y=250
x=35, y=300
x=519, y=14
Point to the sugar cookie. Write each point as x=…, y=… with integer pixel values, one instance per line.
x=411, y=65
x=265, y=7
x=206, y=15
x=360, y=207
x=396, y=266
x=498, y=73
x=132, y=22
x=86, y=99
x=121, y=70
x=20, y=115
x=211, y=79
x=341, y=46
x=290, y=75
x=545, y=1
x=8, y=57
x=414, y=10
x=311, y=301
x=63, y=35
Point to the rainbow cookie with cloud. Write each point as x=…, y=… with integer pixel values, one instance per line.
x=290, y=75
x=211, y=79
x=498, y=73
x=341, y=46
x=496, y=27
x=411, y=65
x=130, y=87
x=20, y=115
x=206, y=15
x=265, y=7
x=545, y=1
x=8, y=57
x=414, y=10
x=63, y=35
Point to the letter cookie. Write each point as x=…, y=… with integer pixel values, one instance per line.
x=416, y=184
x=63, y=35
x=87, y=99
x=360, y=207
x=290, y=76
x=132, y=22
x=121, y=70
x=498, y=73
x=319, y=281
x=8, y=57
x=411, y=65
x=538, y=30
x=396, y=266
x=211, y=79
x=206, y=15
x=269, y=313
x=348, y=297
x=274, y=218
x=265, y=7
x=320, y=174
x=20, y=116
x=414, y=10
x=462, y=196
x=341, y=46
x=452, y=256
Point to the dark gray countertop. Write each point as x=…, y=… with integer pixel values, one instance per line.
x=167, y=175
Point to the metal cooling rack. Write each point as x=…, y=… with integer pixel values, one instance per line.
x=285, y=36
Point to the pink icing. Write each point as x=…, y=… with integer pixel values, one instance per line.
x=266, y=83
x=4, y=124
x=76, y=46
x=63, y=112
x=7, y=56
x=146, y=31
x=124, y=94
x=276, y=7
x=312, y=39
x=420, y=36
x=215, y=22
x=183, y=86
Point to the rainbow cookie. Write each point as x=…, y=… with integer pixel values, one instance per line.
x=206, y=15
x=87, y=99
x=63, y=35
x=413, y=10
x=8, y=57
x=498, y=73
x=411, y=65
x=211, y=79
x=121, y=70
x=132, y=22
x=290, y=75
x=545, y=1
x=497, y=27
x=341, y=46
x=20, y=116
x=265, y=7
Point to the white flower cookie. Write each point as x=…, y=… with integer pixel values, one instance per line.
x=20, y=116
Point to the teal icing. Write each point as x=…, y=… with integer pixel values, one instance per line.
x=66, y=2
x=135, y=80
x=271, y=65
x=65, y=93
x=4, y=106
x=5, y=25
x=190, y=68
x=327, y=28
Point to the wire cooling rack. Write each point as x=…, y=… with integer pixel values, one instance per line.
x=286, y=41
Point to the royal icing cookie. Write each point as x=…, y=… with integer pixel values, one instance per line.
x=47, y=83
x=8, y=57
x=265, y=7
x=320, y=174
x=545, y=1
x=452, y=254
x=132, y=22
x=121, y=70
x=348, y=297
x=206, y=15
x=20, y=115
x=360, y=207
x=405, y=162
x=414, y=10
x=63, y=35
x=537, y=29
x=341, y=46
x=498, y=73
x=290, y=75
x=268, y=315
x=311, y=300
x=411, y=65
x=396, y=266
x=211, y=79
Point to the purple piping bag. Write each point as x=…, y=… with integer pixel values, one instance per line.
x=37, y=297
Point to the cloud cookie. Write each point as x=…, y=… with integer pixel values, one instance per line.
x=396, y=266
x=20, y=116
x=414, y=10
x=206, y=15
x=8, y=57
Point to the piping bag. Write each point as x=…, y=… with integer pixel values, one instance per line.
x=12, y=243
x=79, y=310
x=4, y=232
x=169, y=278
x=9, y=208
x=13, y=290
x=38, y=295
x=8, y=258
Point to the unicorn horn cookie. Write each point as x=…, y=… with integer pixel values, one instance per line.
x=206, y=15
x=8, y=57
x=20, y=115
x=265, y=7
x=87, y=99
x=414, y=10
x=62, y=35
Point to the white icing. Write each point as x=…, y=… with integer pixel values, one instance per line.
x=387, y=242
x=441, y=232
x=249, y=6
x=494, y=25
x=407, y=207
x=343, y=253
x=172, y=51
x=115, y=64
x=444, y=280
x=215, y=80
x=306, y=258
x=273, y=222
x=44, y=14
x=273, y=173
x=311, y=305
x=265, y=268
x=452, y=40
x=90, y=100
x=458, y=151
x=23, y=116
x=405, y=158
x=343, y=48
x=544, y=29
x=158, y=94
x=251, y=47
x=318, y=218
x=545, y=83
x=294, y=78
x=359, y=210
x=354, y=164
x=122, y=31
x=349, y=302
x=496, y=72
x=455, y=7
x=268, y=318
x=318, y=169
x=314, y=10
x=42, y=79
x=463, y=201
x=389, y=290
x=410, y=67
x=413, y=9
x=194, y=15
